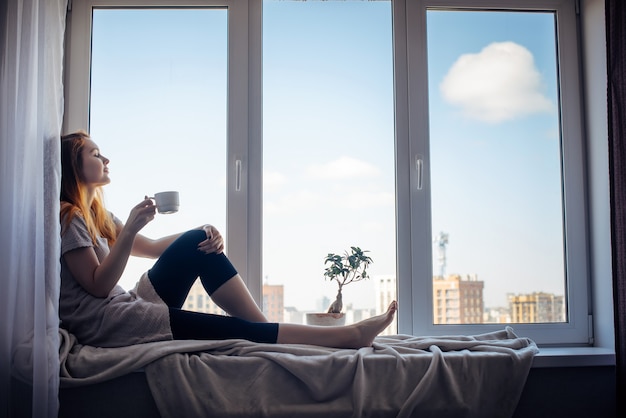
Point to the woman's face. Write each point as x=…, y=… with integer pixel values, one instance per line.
x=95, y=165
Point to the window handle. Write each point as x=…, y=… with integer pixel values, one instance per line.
x=238, y=175
x=419, y=170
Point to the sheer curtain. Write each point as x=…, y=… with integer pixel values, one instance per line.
x=31, y=108
x=616, y=56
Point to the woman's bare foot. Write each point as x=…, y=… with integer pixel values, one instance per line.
x=357, y=335
x=368, y=329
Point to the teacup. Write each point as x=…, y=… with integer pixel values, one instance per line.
x=167, y=202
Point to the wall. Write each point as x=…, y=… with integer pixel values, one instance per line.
x=570, y=392
x=596, y=130
x=587, y=391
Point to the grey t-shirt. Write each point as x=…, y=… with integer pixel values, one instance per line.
x=122, y=318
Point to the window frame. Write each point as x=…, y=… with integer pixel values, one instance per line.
x=578, y=330
x=413, y=246
x=244, y=112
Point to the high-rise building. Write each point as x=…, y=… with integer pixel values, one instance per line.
x=294, y=316
x=537, y=307
x=458, y=300
x=273, y=302
x=386, y=292
x=357, y=314
x=497, y=315
x=198, y=300
x=273, y=306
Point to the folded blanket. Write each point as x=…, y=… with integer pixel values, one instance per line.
x=402, y=375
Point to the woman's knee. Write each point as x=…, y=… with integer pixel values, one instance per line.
x=179, y=257
x=190, y=239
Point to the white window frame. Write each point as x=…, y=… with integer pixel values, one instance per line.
x=417, y=295
x=244, y=113
x=414, y=249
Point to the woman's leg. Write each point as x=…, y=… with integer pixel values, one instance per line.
x=201, y=326
x=182, y=263
x=234, y=298
x=357, y=335
x=187, y=325
x=179, y=266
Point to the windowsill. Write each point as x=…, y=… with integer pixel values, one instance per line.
x=574, y=357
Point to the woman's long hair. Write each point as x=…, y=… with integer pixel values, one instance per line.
x=74, y=193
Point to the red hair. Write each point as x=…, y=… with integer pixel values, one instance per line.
x=74, y=193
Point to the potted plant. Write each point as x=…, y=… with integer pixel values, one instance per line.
x=343, y=269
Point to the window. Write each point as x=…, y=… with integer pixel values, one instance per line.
x=328, y=148
x=495, y=160
x=495, y=149
x=158, y=112
x=163, y=90
x=426, y=214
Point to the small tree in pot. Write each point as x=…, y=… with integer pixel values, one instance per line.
x=345, y=269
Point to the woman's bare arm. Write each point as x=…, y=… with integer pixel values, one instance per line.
x=99, y=278
x=153, y=248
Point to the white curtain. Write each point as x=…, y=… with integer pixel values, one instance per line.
x=31, y=109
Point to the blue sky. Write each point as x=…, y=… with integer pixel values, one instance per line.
x=328, y=142
x=495, y=148
x=159, y=109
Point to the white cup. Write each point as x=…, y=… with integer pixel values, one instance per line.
x=167, y=202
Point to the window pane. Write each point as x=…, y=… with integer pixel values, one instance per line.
x=495, y=157
x=328, y=142
x=158, y=112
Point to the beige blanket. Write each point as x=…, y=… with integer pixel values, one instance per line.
x=403, y=376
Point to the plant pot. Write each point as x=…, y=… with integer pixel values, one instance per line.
x=325, y=319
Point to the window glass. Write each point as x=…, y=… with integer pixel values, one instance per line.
x=158, y=112
x=495, y=167
x=328, y=140
x=328, y=73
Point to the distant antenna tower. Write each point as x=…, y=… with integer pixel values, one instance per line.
x=441, y=240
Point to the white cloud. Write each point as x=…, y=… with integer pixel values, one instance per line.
x=499, y=83
x=342, y=168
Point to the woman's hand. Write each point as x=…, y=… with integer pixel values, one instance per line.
x=214, y=242
x=140, y=216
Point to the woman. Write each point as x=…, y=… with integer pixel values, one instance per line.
x=95, y=246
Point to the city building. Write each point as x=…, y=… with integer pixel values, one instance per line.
x=273, y=306
x=537, y=307
x=273, y=302
x=497, y=315
x=293, y=316
x=386, y=291
x=458, y=300
x=357, y=314
x=198, y=300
